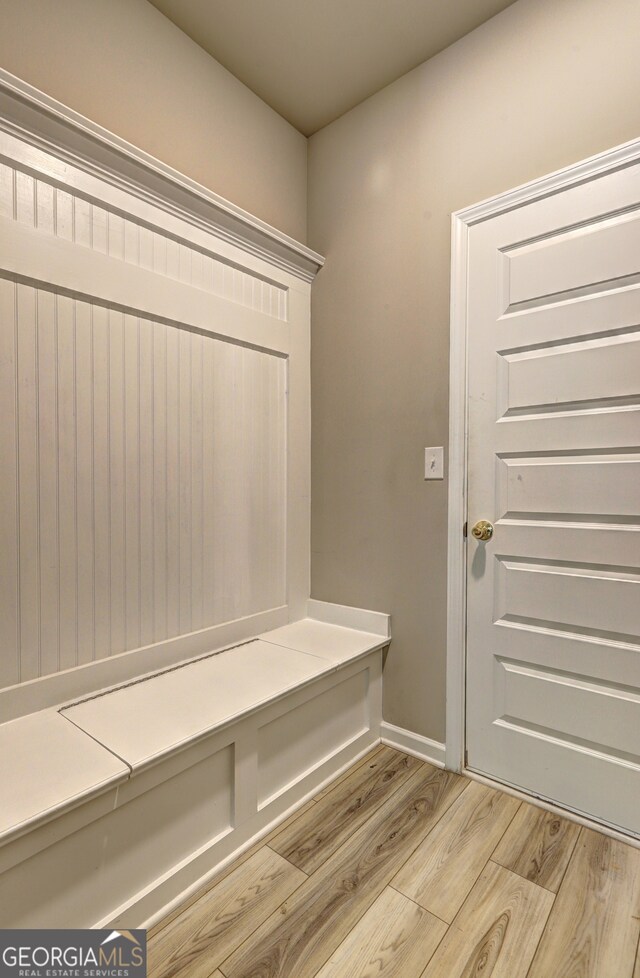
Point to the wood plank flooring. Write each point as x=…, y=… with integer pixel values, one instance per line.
x=399, y=869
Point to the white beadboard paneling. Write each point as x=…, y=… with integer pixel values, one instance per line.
x=79, y=271
x=147, y=541
x=7, y=190
x=197, y=452
x=172, y=484
x=9, y=513
x=54, y=210
x=132, y=515
x=116, y=474
x=173, y=255
x=67, y=486
x=101, y=484
x=48, y=455
x=155, y=367
x=45, y=209
x=185, y=403
x=64, y=217
x=211, y=555
x=221, y=526
x=159, y=450
x=82, y=222
x=144, y=483
x=28, y=482
x=25, y=191
x=99, y=235
x=115, y=235
x=85, y=480
x=145, y=249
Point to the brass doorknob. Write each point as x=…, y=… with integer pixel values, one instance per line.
x=482, y=530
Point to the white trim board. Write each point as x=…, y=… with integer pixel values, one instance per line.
x=412, y=743
x=374, y=622
x=47, y=124
x=617, y=158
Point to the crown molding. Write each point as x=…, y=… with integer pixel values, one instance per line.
x=47, y=124
x=627, y=154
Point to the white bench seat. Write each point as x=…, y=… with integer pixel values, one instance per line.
x=48, y=766
x=146, y=721
x=332, y=642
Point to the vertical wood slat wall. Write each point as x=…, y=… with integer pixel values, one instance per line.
x=36, y=203
x=143, y=479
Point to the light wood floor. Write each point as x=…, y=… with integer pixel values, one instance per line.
x=399, y=869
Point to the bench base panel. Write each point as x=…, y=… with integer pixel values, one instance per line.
x=129, y=857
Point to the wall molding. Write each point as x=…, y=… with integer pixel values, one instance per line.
x=462, y=221
x=47, y=124
x=413, y=743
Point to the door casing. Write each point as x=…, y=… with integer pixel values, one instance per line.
x=596, y=166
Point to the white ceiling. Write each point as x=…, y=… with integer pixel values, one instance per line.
x=312, y=60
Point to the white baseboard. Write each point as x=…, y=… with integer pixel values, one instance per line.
x=412, y=743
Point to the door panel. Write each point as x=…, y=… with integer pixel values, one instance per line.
x=580, y=711
x=592, y=373
x=572, y=486
x=581, y=257
x=553, y=599
x=587, y=599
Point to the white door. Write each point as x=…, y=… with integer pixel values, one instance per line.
x=553, y=598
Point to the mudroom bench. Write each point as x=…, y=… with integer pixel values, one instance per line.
x=121, y=804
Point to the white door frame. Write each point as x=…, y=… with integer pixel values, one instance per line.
x=621, y=156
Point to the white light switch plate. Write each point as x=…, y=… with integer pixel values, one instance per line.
x=434, y=463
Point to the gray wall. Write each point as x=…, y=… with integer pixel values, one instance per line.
x=125, y=66
x=542, y=85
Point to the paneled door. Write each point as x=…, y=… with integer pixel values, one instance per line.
x=553, y=589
